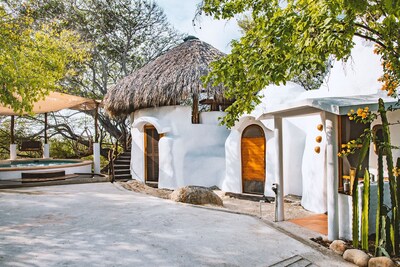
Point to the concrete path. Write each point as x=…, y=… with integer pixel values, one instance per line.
x=104, y=225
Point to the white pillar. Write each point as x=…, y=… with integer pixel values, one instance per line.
x=13, y=151
x=331, y=170
x=279, y=168
x=96, y=157
x=46, y=151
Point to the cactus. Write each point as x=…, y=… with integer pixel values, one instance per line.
x=379, y=208
x=365, y=212
x=392, y=180
x=363, y=153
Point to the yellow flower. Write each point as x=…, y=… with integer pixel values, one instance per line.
x=366, y=109
x=339, y=154
x=396, y=171
x=363, y=115
x=351, y=110
x=359, y=111
x=344, y=145
x=351, y=118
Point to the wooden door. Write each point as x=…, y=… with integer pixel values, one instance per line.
x=151, y=138
x=253, y=160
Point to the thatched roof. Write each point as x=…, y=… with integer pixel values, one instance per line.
x=170, y=79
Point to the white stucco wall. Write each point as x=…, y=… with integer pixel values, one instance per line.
x=304, y=173
x=189, y=154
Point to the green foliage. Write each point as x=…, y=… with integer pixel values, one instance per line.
x=34, y=59
x=285, y=40
x=365, y=212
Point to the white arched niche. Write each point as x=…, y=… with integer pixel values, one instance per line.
x=233, y=176
x=137, y=149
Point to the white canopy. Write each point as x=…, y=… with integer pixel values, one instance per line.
x=54, y=102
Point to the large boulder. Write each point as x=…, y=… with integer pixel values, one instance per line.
x=338, y=246
x=358, y=257
x=196, y=195
x=381, y=262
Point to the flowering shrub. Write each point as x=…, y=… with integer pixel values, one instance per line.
x=362, y=115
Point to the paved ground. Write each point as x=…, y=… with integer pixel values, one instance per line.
x=104, y=225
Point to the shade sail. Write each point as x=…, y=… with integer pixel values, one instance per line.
x=56, y=101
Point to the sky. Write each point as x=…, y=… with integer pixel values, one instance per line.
x=359, y=75
x=219, y=34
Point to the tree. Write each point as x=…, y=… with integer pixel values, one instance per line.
x=125, y=35
x=34, y=60
x=286, y=39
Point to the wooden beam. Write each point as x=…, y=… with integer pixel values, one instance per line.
x=45, y=128
x=96, y=123
x=195, y=109
x=12, y=129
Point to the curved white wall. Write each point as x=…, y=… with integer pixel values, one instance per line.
x=304, y=169
x=189, y=154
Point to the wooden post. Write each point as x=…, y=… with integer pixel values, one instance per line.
x=45, y=128
x=96, y=126
x=12, y=129
x=195, y=109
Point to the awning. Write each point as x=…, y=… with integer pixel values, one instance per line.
x=56, y=101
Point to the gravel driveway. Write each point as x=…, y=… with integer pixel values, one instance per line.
x=105, y=225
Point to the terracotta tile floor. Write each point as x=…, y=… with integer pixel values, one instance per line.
x=317, y=223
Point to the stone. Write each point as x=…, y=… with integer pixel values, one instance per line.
x=356, y=256
x=381, y=262
x=197, y=195
x=338, y=246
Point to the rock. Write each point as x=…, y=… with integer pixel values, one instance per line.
x=338, y=246
x=358, y=257
x=196, y=195
x=381, y=262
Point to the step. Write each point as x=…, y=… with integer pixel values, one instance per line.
x=122, y=176
x=124, y=157
x=122, y=162
x=122, y=167
x=42, y=174
x=152, y=184
x=122, y=171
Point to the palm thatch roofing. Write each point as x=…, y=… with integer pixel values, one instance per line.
x=170, y=79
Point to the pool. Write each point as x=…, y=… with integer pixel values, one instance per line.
x=12, y=169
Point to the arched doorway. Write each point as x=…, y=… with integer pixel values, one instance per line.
x=151, y=157
x=253, y=160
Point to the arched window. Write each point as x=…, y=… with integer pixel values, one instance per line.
x=253, y=131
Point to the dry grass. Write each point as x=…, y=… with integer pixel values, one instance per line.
x=170, y=79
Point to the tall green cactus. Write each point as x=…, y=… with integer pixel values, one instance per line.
x=392, y=180
x=365, y=212
x=356, y=225
x=379, y=209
